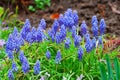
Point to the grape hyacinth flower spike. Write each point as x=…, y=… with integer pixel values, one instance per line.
x=80, y=52
x=25, y=65
x=94, y=20
x=102, y=26
x=83, y=28
x=77, y=40
x=42, y=24
x=67, y=43
x=48, y=55
x=37, y=67
x=95, y=29
x=10, y=75
x=88, y=45
x=14, y=67
x=58, y=57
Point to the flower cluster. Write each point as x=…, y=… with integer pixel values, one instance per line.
x=69, y=19
x=13, y=43
x=58, y=34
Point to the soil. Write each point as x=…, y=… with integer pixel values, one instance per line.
x=107, y=9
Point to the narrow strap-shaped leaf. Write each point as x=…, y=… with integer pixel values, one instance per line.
x=110, y=73
x=116, y=67
x=102, y=71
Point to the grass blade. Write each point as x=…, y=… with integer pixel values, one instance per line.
x=103, y=72
x=116, y=67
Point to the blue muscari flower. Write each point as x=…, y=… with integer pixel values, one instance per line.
x=87, y=35
x=62, y=32
x=94, y=43
x=37, y=67
x=9, y=44
x=67, y=43
x=51, y=34
x=21, y=40
x=15, y=32
x=25, y=65
x=42, y=24
x=61, y=19
x=21, y=56
x=102, y=26
x=68, y=13
x=94, y=20
x=95, y=30
x=88, y=45
x=40, y=35
x=10, y=75
x=57, y=38
x=77, y=40
x=75, y=17
x=10, y=54
x=14, y=67
x=26, y=29
x=73, y=31
x=31, y=36
x=55, y=26
x=69, y=22
x=58, y=57
x=80, y=52
x=48, y=55
x=83, y=28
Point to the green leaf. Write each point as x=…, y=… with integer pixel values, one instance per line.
x=110, y=73
x=1, y=11
x=102, y=71
x=117, y=68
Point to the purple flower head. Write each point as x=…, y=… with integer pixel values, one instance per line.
x=40, y=34
x=68, y=13
x=69, y=22
x=14, y=67
x=87, y=36
x=75, y=17
x=77, y=40
x=37, y=67
x=58, y=57
x=57, y=38
x=62, y=32
x=95, y=30
x=102, y=26
x=25, y=65
x=15, y=32
x=55, y=26
x=61, y=19
x=42, y=24
x=94, y=20
x=29, y=38
x=10, y=75
x=73, y=31
x=94, y=43
x=10, y=45
x=21, y=56
x=51, y=34
x=88, y=45
x=48, y=55
x=67, y=43
x=83, y=28
x=10, y=54
x=80, y=52
x=26, y=29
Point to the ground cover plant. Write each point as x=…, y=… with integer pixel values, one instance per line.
x=59, y=53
